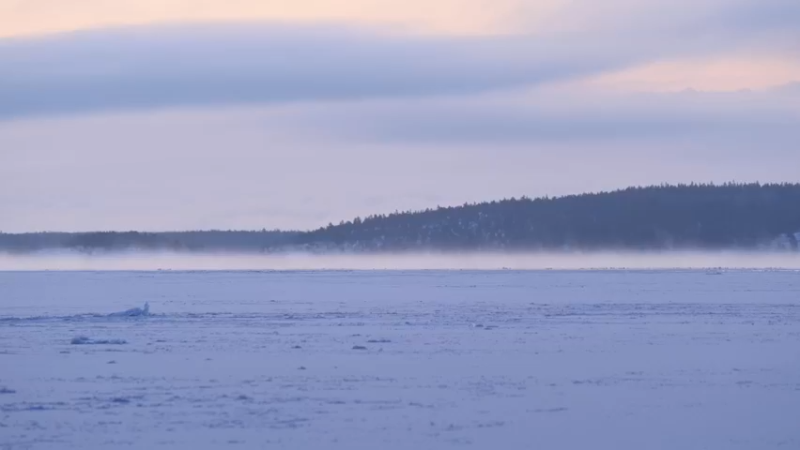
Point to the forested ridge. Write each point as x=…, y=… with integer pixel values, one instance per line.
x=703, y=216
x=691, y=216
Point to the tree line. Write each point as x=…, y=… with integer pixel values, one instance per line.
x=197, y=241
x=685, y=216
x=703, y=216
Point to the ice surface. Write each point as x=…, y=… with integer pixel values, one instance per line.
x=133, y=312
x=511, y=360
x=83, y=340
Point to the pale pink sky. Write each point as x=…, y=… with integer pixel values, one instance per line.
x=437, y=16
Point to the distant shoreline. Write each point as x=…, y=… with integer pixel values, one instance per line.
x=693, y=217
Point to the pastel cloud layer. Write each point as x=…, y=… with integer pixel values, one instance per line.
x=312, y=113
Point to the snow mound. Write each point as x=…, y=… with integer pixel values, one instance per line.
x=83, y=340
x=133, y=312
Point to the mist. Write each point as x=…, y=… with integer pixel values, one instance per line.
x=154, y=261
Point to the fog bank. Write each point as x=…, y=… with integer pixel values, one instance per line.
x=150, y=261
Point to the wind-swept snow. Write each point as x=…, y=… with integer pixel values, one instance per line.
x=399, y=360
x=83, y=340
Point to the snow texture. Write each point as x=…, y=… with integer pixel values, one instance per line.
x=133, y=312
x=83, y=340
x=511, y=360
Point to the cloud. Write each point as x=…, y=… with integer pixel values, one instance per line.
x=789, y=89
x=211, y=65
x=141, y=68
x=441, y=16
x=746, y=70
x=287, y=125
x=304, y=165
x=725, y=121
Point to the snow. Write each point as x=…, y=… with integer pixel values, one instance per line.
x=401, y=359
x=83, y=340
x=133, y=312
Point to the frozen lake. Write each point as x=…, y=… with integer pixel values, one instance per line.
x=401, y=360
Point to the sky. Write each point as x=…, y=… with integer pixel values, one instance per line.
x=251, y=114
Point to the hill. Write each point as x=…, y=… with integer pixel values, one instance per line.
x=696, y=216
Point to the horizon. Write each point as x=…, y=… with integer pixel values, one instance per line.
x=673, y=219
x=426, y=209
